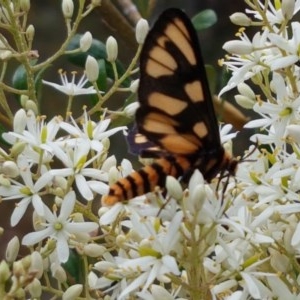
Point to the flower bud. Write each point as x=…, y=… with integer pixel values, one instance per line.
x=126, y=167
x=174, y=188
x=20, y=121
x=35, y=289
x=93, y=250
x=17, y=148
x=30, y=31
x=4, y=271
x=92, y=280
x=141, y=31
x=103, y=210
x=106, y=144
x=240, y=19
x=224, y=286
x=245, y=90
x=23, y=100
x=120, y=241
x=5, y=15
x=58, y=272
x=244, y=101
x=96, y=3
x=86, y=41
x=130, y=109
x=91, y=69
x=18, y=269
x=104, y=266
x=134, y=86
x=77, y=217
x=37, y=265
x=238, y=47
x=12, y=249
x=19, y=293
x=111, y=49
x=279, y=262
x=158, y=292
x=60, y=182
x=10, y=169
x=58, y=201
x=109, y=163
x=25, y=5
x=31, y=105
x=288, y=8
x=67, y=8
x=26, y=262
x=72, y=292
x=113, y=175
x=4, y=181
x=198, y=197
x=293, y=131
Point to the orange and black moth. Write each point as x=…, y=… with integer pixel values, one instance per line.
x=176, y=113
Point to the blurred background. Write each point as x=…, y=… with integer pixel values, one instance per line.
x=50, y=31
x=110, y=19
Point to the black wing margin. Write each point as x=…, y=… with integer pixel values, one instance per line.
x=176, y=110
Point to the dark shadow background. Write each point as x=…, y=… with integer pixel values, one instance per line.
x=50, y=32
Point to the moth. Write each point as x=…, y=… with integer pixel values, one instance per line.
x=176, y=121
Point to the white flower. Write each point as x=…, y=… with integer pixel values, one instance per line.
x=248, y=65
x=70, y=88
x=91, y=133
x=159, y=292
x=152, y=259
x=274, y=15
x=27, y=191
x=36, y=135
x=226, y=134
x=290, y=47
x=75, y=160
x=276, y=115
x=60, y=227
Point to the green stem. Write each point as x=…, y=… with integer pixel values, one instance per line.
x=117, y=83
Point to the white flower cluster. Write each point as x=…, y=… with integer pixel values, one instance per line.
x=32, y=175
x=270, y=49
x=242, y=242
x=231, y=239
x=264, y=216
x=56, y=170
x=151, y=243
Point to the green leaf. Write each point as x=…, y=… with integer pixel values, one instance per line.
x=98, y=51
x=143, y=7
x=224, y=77
x=124, y=120
x=211, y=78
x=38, y=80
x=204, y=19
x=19, y=79
x=102, y=78
x=73, y=267
x=2, y=130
